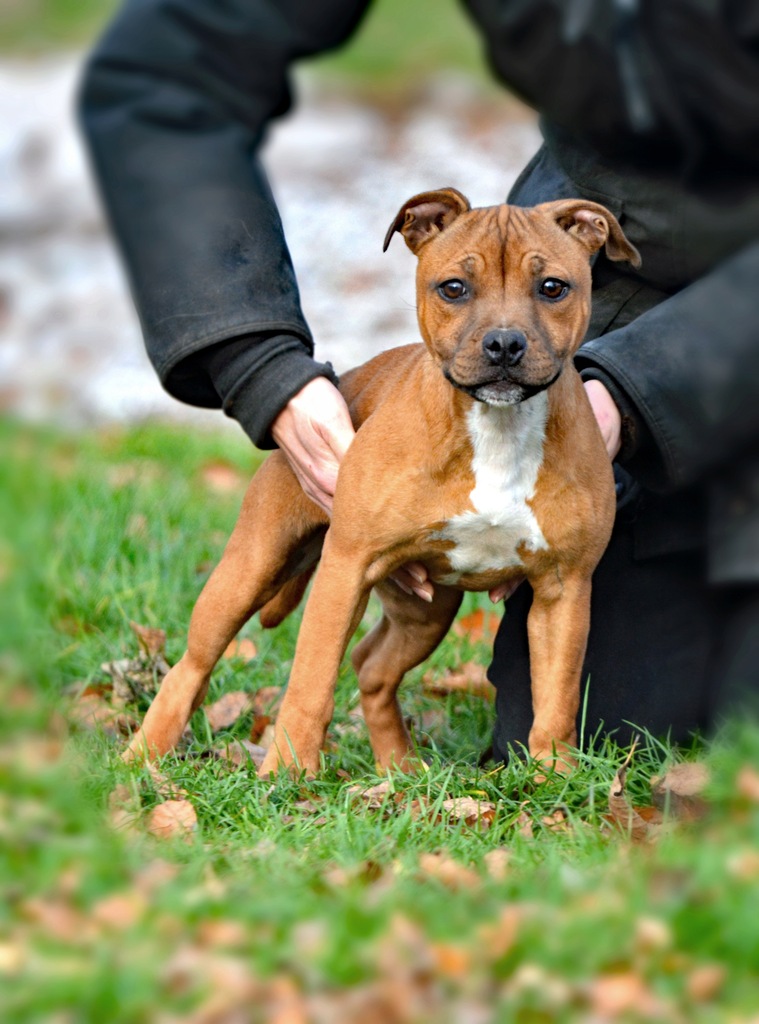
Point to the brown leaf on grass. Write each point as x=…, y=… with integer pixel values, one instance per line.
x=240, y=753
x=451, y=960
x=12, y=959
x=744, y=865
x=747, y=784
x=556, y=821
x=652, y=935
x=267, y=699
x=164, y=786
x=497, y=863
x=119, y=911
x=221, y=933
x=227, y=709
x=467, y=678
x=680, y=791
x=259, y=726
x=123, y=808
x=92, y=711
x=451, y=873
x=470, y=810
x=497, y=938
x=135, y=680
x=58, y=918
x=374, y=796
x=614, y=996
x=266, y=738
x=640, y=824
x=154, y=875
x=367, y=873
x=479, y=626
x=152, y=640
x=222, y=477
x=243, y=650
x=703, y=984
x=524, y=825
x=172, y=819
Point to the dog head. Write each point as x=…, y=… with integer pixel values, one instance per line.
x=503, y=292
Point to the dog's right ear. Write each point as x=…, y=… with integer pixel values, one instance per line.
x=426, y=215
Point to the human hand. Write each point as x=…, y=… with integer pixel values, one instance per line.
x=504, y=590
x=314, y=431
x=607, y=416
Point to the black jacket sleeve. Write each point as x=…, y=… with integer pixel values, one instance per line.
x=690, y=366
x=174, y=104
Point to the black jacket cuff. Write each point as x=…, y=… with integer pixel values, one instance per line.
x=256, y=376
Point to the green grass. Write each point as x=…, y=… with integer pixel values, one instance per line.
x=298, y=890
x=397, y=46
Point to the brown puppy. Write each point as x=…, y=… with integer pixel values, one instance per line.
x=477, y=453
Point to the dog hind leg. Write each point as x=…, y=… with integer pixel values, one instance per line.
x=278, y=536
x=408, y=632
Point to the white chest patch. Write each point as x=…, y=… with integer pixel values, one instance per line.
x=508, y=453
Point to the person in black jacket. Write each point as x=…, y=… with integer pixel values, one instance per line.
x=650, y=109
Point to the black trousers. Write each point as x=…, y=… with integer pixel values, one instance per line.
x=666, y=652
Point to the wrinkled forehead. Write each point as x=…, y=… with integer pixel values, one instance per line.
x=512, y=236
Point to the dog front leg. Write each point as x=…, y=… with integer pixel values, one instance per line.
x=557, y=626
x=333, y=611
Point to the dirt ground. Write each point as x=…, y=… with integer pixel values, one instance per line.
x=70, y=346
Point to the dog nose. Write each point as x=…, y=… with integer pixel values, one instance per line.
x=504, y=348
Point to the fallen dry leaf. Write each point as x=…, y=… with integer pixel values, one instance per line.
x=747, y=784
x=497, y=863
x=12, y=958
x=119, y=911
x=241, y=753
x=221, y=933
x=704, y=983
x=374, y=796
x=267, y=699
x=744, y=865
x=652, y=935
x=58, y=918
x=479, y=626
x=222, y=477
x=123, y=808
x=172, y=819
x=164, y=786
x=451, y=873
x=470, y=810
x=135, y=680
x=152, y=640
x=451, y=961
x=640, y=824
x=680, y=791
x=524, y=825
x=266, y=738
x=497, y=938
x=258, y=727
x=92, y=711
x=612, y=996
x=227, y=709
x=467, y=678
x=244, y=650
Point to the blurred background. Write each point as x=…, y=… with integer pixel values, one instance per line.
x=384, y=119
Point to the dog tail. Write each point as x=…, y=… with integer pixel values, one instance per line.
x=285, y=601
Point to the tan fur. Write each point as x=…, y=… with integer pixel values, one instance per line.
x=408, y=474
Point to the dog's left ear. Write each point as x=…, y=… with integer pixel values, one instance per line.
x=593, y=225
x=426, y=215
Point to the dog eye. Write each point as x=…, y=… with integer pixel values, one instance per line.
x=553, y=288
x=453, y=290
